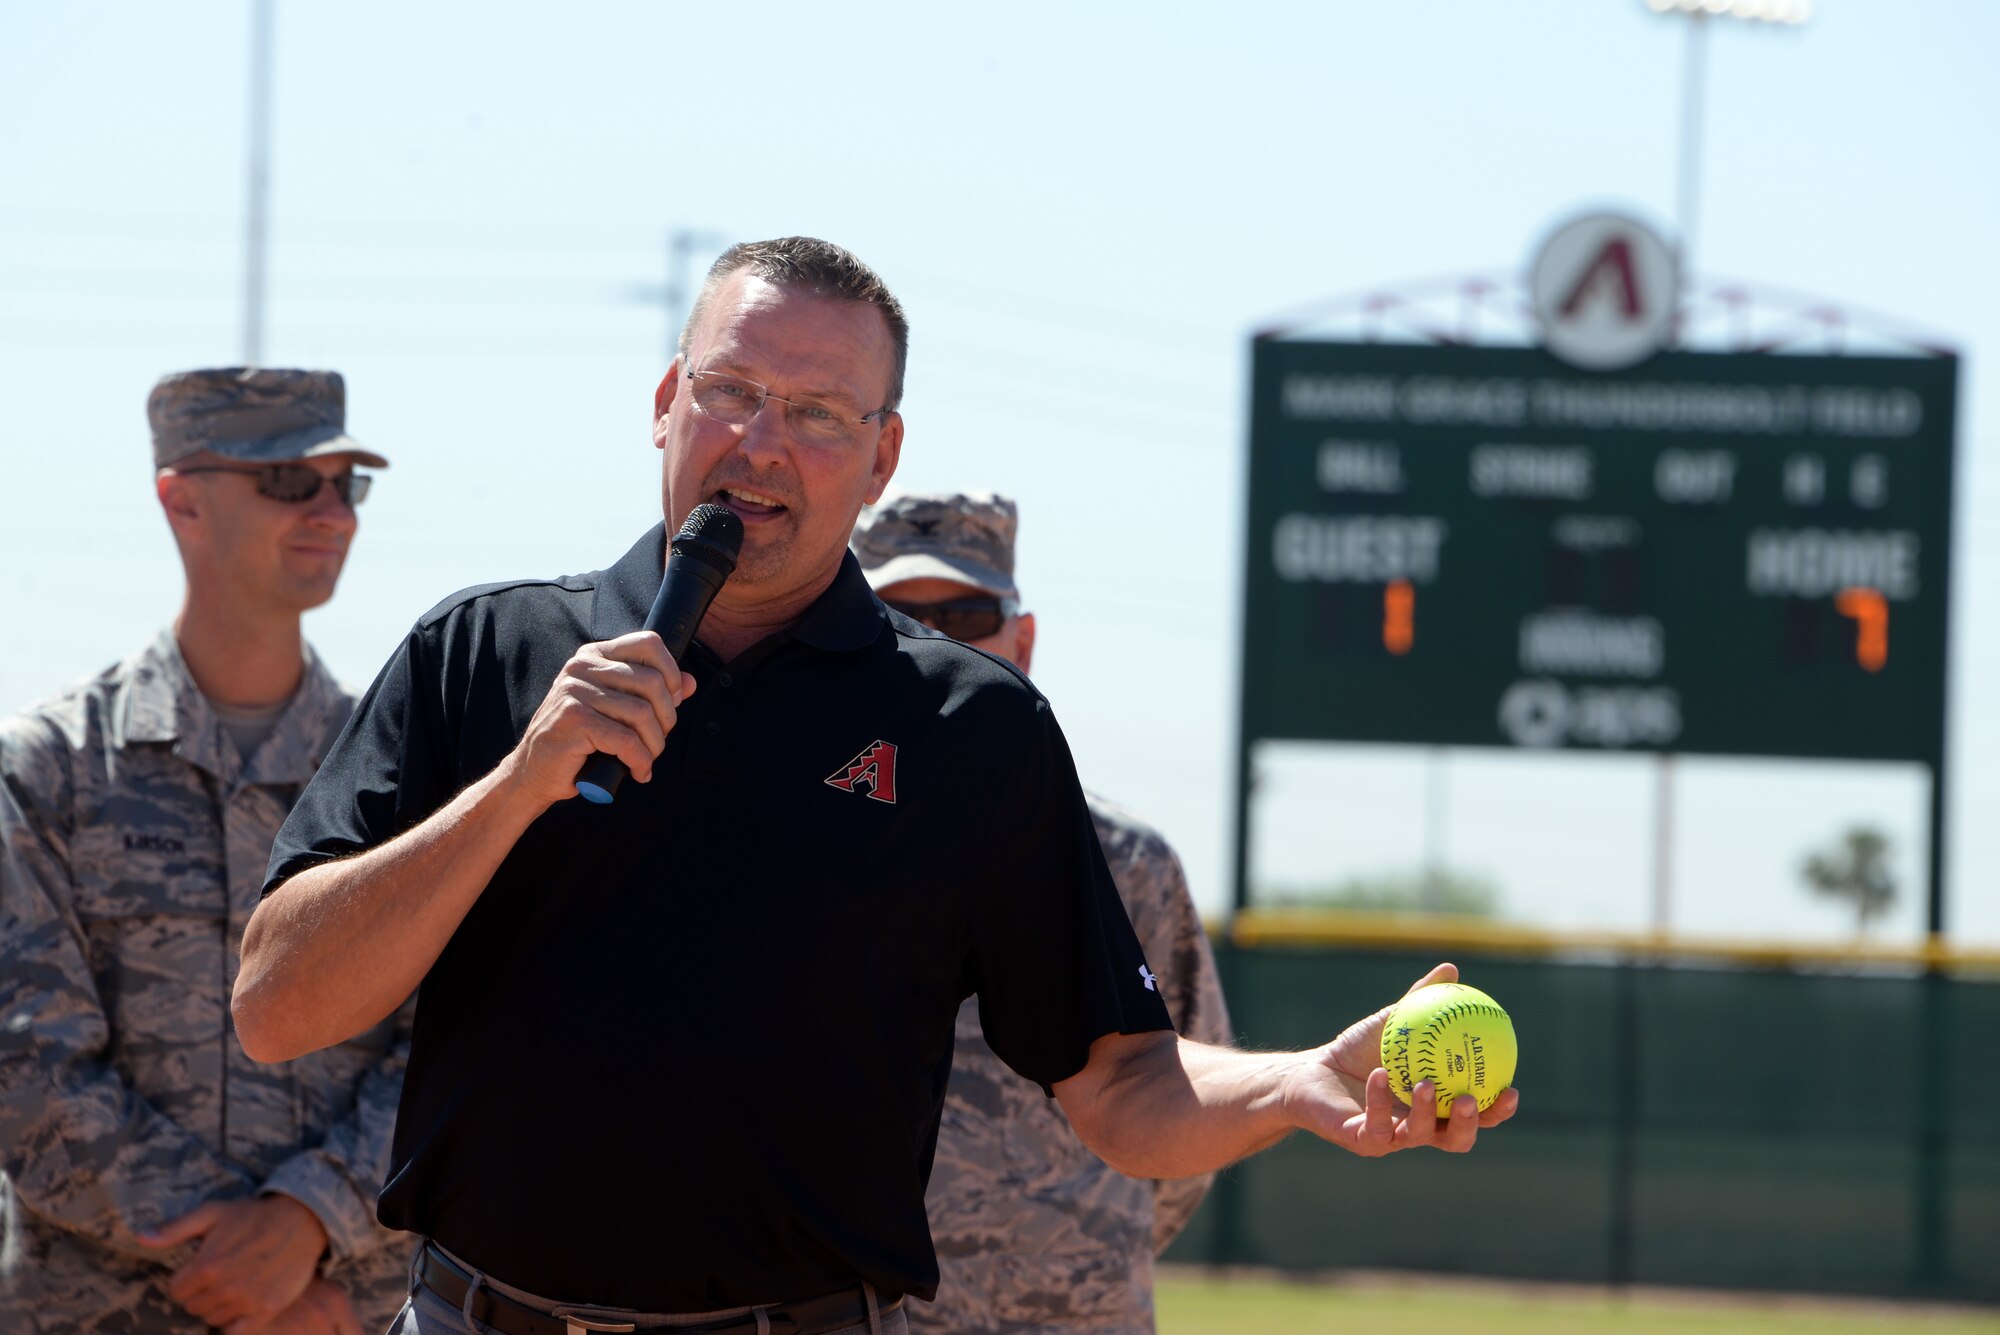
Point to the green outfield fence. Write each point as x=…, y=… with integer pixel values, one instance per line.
x=1712, y=1114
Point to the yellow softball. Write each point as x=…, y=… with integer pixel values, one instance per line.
x=1456, y=1037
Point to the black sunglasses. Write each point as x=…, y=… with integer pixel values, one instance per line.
x=296, y=484
x=961, y=618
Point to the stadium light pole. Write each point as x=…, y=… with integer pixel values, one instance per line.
x=1694, y=74
x=1694, y=78
x=256, y=220
x=1694, y=82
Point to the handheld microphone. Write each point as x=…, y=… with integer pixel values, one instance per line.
x=702, y=555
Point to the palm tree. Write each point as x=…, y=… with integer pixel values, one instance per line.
x=1855, y=869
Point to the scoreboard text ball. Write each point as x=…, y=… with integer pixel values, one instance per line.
x=1738, y=554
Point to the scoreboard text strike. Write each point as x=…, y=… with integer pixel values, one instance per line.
x=1736, y=554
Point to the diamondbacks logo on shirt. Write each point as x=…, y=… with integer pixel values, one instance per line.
x=874, y=769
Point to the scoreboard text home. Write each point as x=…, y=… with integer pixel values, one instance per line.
x=1741, y=554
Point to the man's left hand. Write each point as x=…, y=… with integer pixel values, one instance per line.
x=1343, y=1095
x=257, y=1257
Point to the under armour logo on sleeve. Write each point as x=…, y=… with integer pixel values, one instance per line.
x=1152, y=979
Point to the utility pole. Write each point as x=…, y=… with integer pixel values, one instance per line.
x=680, y=249
x=257, y=202
x=674, y=295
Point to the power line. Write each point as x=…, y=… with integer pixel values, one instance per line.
x=317, y=231
x=1157, y=327
x=141, y=284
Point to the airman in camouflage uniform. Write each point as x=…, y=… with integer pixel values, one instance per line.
x=1033, y=1231
x=134, y=831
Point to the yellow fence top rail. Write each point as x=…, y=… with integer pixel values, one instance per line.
x=1444, y=933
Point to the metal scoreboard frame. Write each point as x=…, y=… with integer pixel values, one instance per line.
x=1733, y=554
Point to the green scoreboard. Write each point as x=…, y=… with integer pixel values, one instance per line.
x=1727, y=554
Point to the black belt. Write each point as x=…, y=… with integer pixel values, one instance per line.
x=450, y=1281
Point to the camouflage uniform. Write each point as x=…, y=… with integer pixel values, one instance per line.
x=1033, y=1231
x=133, y=842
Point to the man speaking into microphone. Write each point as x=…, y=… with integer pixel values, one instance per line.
x=679, y=1057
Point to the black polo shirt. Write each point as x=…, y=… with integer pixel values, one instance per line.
x=688, y=1051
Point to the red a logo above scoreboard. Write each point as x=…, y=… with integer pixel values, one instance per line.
x=1605, y=288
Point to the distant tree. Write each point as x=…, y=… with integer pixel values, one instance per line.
x=1856, y=869
x=1414, y=892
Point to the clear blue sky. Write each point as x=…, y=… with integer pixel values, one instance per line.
x=1085, y=210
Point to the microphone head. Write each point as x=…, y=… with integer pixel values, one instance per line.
x=712, y=534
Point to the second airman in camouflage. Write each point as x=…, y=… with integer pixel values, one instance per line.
x=152, y=1177
x=1033, y=1231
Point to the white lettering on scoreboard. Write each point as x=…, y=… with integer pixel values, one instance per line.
x=1357, y=549
x=1682, y=407
x=1541, y=471
x=1498, y=401
x=1595, y=533
x=1694, y=477
x=1581, y=643
x=1845, y=411
x=1815, y=563
x=1547, y=713
x=1371, y=467
x=1804, y=479
x=1353, y=398
x=1868, y=481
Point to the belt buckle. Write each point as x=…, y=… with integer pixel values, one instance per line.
x=579, y=1325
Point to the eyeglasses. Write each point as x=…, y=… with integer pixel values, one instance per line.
x=295, y=484
x=727, y=398
x=961, y=618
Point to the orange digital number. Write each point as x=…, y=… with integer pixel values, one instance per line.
x=1399, y=616
x=1870, y=611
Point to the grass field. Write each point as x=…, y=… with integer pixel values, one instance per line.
x=1191, y=1303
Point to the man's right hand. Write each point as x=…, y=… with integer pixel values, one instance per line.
x=342, y=944
x=322, y=1309
x=616, y=696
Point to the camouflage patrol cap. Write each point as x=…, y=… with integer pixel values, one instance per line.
x=961, y=537
x=258, y=414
